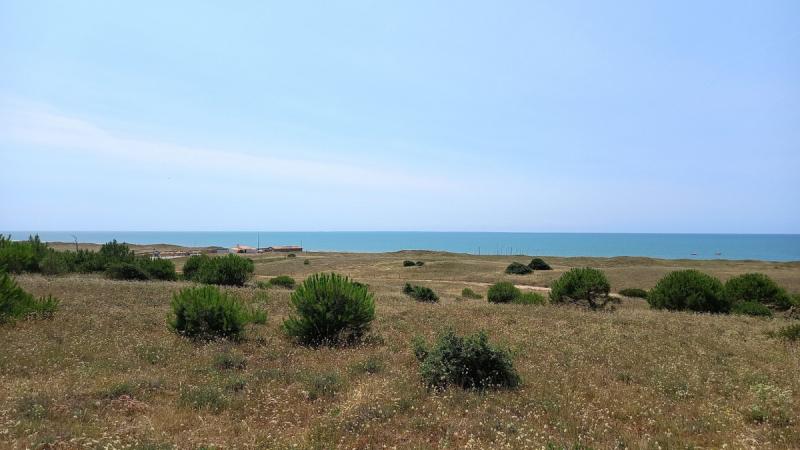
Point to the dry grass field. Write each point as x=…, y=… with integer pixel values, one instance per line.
x=107, y=373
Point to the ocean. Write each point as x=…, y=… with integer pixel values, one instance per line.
x=769, y=247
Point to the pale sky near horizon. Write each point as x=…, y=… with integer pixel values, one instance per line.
x=623, y=116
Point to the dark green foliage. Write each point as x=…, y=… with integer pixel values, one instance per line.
x=503, y=292
x=206, y=313
x=756, y=287
x=329, y=309
x=56, y=263
x=126, y=271
x=114, y=252
x=751, y=309
x=790, y=333
x=468, y=362
x=633, y=292
x=291, y=255
x=158, y=269
x=581, y=285
x=689, y=290
x=15, y=303
x=306, y=262
x=21, y=256
x=87, y=261
x=284, y=281
x=232, y=270
x=469, y=293
x=420, y=293
x=539, y=264
x=516, y=268
x=408, y=263
x=530, y=298
x=420, y=263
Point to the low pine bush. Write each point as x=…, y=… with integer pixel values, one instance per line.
x=530, y=298
x=581, y=285
x=192, y=266
x=539, y=264
x=420, y=293
x=420, y=263
x=56, y=263
x=126, y=271
x=306, y=262
x=329, y=309
x=633, y=292
x=408, y=263
x=206, y=313
x=689, y=290
x=21, y=256
x=751, y=309
x=283, y=281
x=229, y=270
x=469, y=293
x=115, y=252
x=158, y=269
x=467, y=362
x=502, y=292
x=756, y=287
x=516, y=268
x=15, y=303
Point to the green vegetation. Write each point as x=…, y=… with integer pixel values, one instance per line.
x=420, y=293
x=759, y=288
x=751, y=309
x=539, y=264
x=306, y=262
x=530, y=298
x=206, y=313
x=467, y=362
x=229, y=270
x=126, y=271
x=191, y=268
x=789, y=332
x=516, y=268
x=158, y=269
x=284, y=281
x=15, y=303
x=21, y=256
x=689, y=290
x=408, y=263
x=329, y=309
x=502, y=292
x=469, y=293
x=633, y=292
x=582, y=284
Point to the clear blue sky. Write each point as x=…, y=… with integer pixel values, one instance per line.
x=616, y=116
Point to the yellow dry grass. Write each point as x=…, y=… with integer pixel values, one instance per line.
x=106, y=372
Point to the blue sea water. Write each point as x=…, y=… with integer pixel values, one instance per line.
x=770, y=247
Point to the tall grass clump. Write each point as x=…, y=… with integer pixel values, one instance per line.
x=284, y=281
x=516, y=268
x=789, y=333
x=539, y=264
x=420, y=293
x=469, y=293
x=530, y=298
x=468, y=362
x=329, y=309
x=759, y=288
x=689, y=290
x=582, y=285
x=15, y=303
x=206, y=313
x=502, y=292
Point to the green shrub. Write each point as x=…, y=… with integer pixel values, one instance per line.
x=306, y=262
x=126, y=271
x=15, y=303
x=230, y=270
x=420, y=293
x=751, y=309
x=291, y=255
x=539, y=264
x=530, y=298
x=87, y=261
x=468, y=362
x=633, y=292
x=756, y=287
x=21, y=256
x=789, y=333
x=469, y=293
x=689, y=290
x=516, y=268
x=420, y=263
x=230, y=361
x=284, y=281
x=55, y=263
x=192, y=266
x=502, y=292
x=329, y=309
x=580, y=285
x=158, y=269
x=114, y=252
x=408, y=263
x=206, y=313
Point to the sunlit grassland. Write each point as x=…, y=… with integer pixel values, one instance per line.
x=106, y=370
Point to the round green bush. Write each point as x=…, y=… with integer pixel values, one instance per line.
x=126, y=271
x=192, y=266
x=539, y=264
x=55, y=263
x=229, y=270
x=468, y=362
x=408, y=263
x=329, y=309
x=581, y=284
x=469, y=293
x=206, y=313
x=756, y=287
x=502, y=292
x=751, y=309
x=159, y=269
x=516, y=268
x=420, y=293
x=689, y=290
x=284, y=281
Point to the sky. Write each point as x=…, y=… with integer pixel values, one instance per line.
x=560, y=116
